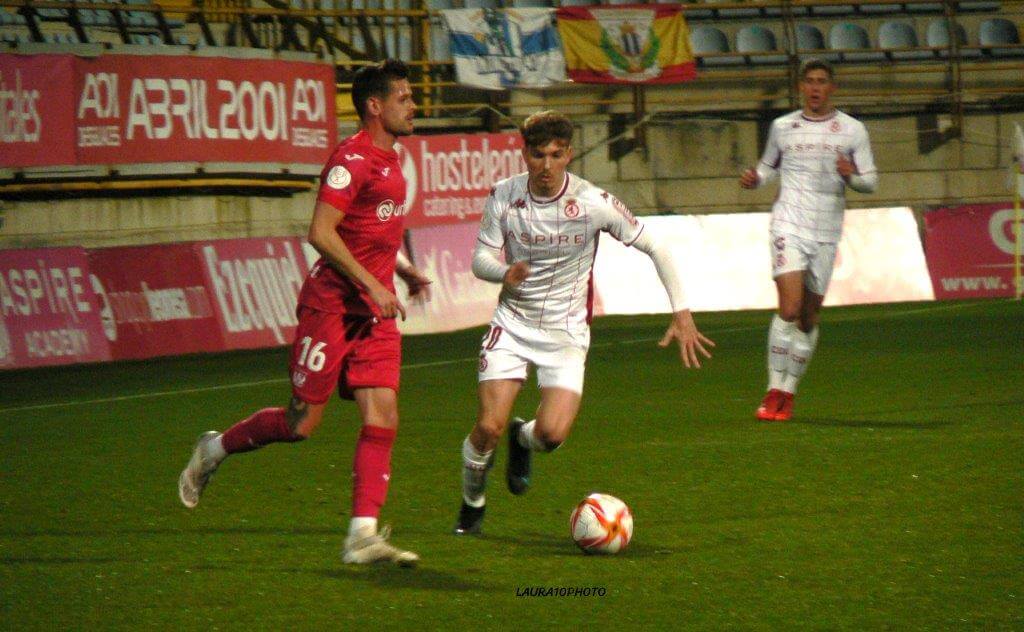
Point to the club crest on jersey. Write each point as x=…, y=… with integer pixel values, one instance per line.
x=834, y=127
x=298, y=378
x=339, y=177
x=572, y=209
x=385, y=171
x=520, y=203
x=388, y=208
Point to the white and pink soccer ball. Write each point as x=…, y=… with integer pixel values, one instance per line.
x=601, y=523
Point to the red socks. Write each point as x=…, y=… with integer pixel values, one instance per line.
x=371, y=470
x=266, y=426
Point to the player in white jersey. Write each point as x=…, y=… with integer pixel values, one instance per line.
x=819, y=151
x=547, y=221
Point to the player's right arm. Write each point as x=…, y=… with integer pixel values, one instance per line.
x=487, y=260
x=339, y=186
x=768, y=168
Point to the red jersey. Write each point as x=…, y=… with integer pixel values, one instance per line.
x=366, y=184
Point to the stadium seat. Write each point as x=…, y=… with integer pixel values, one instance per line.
x=811, y=43
x=996, y=32
x=937, y=35
x=709, y=44
x=852, y=42
x=758, y=39
x=690, y=13
x=480, y=4
x=577, y=3
x=526, y=4
x=9, y=16
x=900, y=35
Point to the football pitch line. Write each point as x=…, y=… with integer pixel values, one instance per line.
x=426, y=365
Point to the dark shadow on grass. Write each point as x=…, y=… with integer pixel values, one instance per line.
x=547, y=544
x=866, y=423
x=421, y=578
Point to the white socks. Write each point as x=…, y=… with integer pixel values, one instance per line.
x=474, y=473
x=528, y=439
x=362, y=527
x=800, y=353
x=216, y=448
x=780, y=339
x=789, y=352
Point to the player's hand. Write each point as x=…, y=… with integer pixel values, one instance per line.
x=749, y=179
x=845, y=166
x=515, y=274
x=684, y=331
x=419, y=285
x=386, y=302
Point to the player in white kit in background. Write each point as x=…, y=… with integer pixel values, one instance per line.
x=547, y=221
x=819, y=151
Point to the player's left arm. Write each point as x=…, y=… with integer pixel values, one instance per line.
x=419, y=284
x=682, y=329
x=858, y=168
x=620, y=223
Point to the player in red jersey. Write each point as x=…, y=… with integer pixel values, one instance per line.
x=347, y=337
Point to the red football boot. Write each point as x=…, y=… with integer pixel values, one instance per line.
x=770, y=405
x=785, y=412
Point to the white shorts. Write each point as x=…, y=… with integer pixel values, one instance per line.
x=510, y=346
x=816, y=258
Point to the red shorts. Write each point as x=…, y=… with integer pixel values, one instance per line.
x=343, y=350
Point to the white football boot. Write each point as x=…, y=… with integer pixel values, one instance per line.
x=369, y=549
x=197, y=473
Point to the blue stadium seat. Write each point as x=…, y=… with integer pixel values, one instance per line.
x=9, y=16
x=895, y=35
x=480, y=4
x=809, y=38
x=998, y=31
x=937, y=35
x=577, y=3
x=690, y=14
x=706, y=40
x=758, y=39
x=531, y=3
x=852, y=41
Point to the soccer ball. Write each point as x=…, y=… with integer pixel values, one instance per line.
x=601, y=523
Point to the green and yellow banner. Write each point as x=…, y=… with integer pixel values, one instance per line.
x=643, y=43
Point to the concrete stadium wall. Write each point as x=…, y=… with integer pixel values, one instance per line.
x=690, y=166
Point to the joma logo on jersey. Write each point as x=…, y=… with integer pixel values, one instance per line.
x=556, y=239
x=388, y=209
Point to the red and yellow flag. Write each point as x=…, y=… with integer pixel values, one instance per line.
x=642, y=43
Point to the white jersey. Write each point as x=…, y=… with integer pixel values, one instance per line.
x=812, y=194
x=558, y=238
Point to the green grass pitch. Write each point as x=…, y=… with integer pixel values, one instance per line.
x=892, y=500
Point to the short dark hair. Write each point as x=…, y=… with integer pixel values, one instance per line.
x=375, y=81
x=540, y=128
x=816, y=64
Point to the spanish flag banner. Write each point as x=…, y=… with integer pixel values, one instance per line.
x=643, y=43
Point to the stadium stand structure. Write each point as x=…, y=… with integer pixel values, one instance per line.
x=939, y=57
